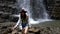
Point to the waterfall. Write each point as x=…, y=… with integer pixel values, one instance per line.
x=45, y=15
x=25, y=4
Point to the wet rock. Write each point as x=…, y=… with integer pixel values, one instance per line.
x=15, y=32
x=38, y=32
x=7, y=31
x=3, y=27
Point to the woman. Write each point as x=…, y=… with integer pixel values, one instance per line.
x=24, y=20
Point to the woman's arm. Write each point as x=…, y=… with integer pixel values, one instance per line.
x=16, y=24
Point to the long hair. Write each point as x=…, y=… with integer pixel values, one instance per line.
x=24, y=16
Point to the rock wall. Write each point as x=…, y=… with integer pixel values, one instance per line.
x=7, y=8
x=53, y=7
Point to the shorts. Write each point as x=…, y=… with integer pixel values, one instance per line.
x=24, y=25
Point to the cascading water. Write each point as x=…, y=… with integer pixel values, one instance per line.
x=44, y=14
x=25, y=4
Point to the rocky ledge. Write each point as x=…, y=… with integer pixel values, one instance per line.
x=5, y=28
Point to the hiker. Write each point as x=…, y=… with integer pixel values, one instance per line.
x=24, y=22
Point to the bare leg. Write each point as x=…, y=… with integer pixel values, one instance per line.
x=23, y=31
x=26, y=30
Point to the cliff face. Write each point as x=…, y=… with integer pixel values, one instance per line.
x=56, y=9
x=7, y=8
x=53, y=7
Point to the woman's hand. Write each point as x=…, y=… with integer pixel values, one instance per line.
x=13, y=28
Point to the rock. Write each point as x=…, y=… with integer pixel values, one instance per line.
x=14, y=32
x=3, y=27
x=7, y=31
x=34, y=30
